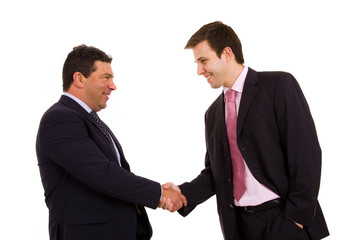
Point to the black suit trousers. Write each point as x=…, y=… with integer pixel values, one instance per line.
x=268, y=225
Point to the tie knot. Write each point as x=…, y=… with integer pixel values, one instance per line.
x=230, y=96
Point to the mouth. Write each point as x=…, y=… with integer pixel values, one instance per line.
x=107, y=95
x=208, y=76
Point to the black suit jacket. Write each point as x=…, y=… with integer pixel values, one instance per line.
x=278, y=140
x=88, y=194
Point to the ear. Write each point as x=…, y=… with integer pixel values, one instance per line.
x=78, y=80
x=228, y=54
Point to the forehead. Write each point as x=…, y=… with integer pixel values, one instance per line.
x=103, y=68
x=203, y=50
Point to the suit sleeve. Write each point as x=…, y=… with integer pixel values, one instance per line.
x=64, y=139
x=199, y=189
x=303, y=152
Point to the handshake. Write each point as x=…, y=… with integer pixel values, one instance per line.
x=171, y=198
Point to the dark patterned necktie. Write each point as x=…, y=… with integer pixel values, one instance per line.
x=103, y=129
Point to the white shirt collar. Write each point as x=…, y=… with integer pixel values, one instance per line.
x=81, y=103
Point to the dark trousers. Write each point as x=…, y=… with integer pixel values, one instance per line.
x=268, y=225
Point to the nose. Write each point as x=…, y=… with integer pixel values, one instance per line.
x=112, y=85
x=200, y=69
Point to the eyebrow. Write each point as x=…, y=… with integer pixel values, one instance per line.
x=108, y=74
x=199, y=59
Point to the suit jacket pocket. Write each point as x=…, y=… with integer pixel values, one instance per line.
x=87, y=216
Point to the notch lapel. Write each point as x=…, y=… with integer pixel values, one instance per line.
x=221, y=135
x=220, y=120
x=248, y=94
x=124, y=163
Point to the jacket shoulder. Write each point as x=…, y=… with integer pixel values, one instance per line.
x=275, y=76
x=277, y=80
x=59, y=112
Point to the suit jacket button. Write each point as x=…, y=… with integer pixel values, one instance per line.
x=231, y=205
x=229, y=180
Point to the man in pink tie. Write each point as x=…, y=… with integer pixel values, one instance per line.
x=263, y=159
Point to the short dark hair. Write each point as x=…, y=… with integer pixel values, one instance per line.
x=219, y=36
x=81, y=59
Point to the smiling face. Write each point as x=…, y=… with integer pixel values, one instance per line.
x=209, y=65
x=98, y=86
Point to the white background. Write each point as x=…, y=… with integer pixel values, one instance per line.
x=162, y=130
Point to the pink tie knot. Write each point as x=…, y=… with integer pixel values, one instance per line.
x=230, y=96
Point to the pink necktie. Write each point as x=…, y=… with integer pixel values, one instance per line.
x=238, y=166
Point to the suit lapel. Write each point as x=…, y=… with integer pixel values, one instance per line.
x=218, y=117
x=124, y=163
x=220, y=120
x=248, y=94
x=76, y=107
x=93, y=121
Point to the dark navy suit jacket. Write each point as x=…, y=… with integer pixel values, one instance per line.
x=88, y=194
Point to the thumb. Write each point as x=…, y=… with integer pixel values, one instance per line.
x=167, y=185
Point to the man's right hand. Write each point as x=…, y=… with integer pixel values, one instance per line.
x=172, y=199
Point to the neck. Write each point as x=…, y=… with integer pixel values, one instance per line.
x=234, y=72
x=76, y=92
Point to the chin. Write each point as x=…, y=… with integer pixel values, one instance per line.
x=214, y=86
x=102, y=106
